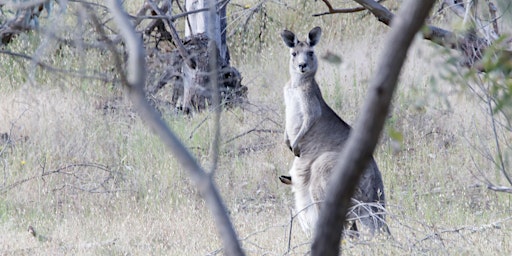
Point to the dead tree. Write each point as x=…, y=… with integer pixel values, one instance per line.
x=199, y=68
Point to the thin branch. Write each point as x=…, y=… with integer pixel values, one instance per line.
x=21, y=4
x=492, y=12
x=499, y=188
x=213, y=49
x=60, y=170
x=175, y=37
x=173, y=18
x=496, y=141
x=136, y=68
x=251, y=131
x=332, y=10
x=72, y=73
x=470, y=229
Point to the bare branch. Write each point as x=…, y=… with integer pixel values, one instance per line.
x=213, y=48
x=364, y=137
x=136, y=68
x=141, y=17
x=467, y=44
x=497, y=143
x=175, y=37
x=43, y=65
x=380, y=12
x=500, y=188
x=492, y=12
x=469, y=15
x=332, y=10
x=455, y=6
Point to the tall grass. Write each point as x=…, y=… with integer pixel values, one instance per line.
x=91, y=180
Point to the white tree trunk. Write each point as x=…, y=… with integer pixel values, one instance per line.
x=198, y=23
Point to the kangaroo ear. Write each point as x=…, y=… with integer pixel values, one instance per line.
x=314, y=36
x=289, y=38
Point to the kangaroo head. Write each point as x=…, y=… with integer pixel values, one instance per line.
x=303, y=60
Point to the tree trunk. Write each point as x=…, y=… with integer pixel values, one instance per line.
x=205, y=39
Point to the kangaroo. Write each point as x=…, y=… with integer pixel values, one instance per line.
x=316, y=135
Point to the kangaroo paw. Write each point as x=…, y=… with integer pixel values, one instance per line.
x=286, y=179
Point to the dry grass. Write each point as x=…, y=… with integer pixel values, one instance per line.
x=91, y=182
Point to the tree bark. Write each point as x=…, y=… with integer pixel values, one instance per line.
x=203, y=22
x=366, y=132
x=201, y=84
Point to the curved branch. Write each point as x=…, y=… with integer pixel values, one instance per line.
x=470, y=45
x=435, y=34
x=365, y=135
x=379, y=11
x=332, y=10
x=136, y=69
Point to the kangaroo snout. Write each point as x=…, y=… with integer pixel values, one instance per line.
x=303, y=67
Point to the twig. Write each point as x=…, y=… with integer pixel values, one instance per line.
x=492, y=12
x=248, y=15
x=197, y=126
x=292, y=217
x=496, y=139
x=213, y=49
x=251, y=131
x=470, y=229
x=173, y=18
x=332, y=10
x=22, y=4
x=72, y=73
x=61, y=170
x=175, y=37
x=499, y=188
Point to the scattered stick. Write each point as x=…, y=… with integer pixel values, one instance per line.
x=73, y=73
x=251, y=131
x=470, y=229
x=499, y=188
x=65, y=170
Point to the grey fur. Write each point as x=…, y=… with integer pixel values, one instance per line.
x=316, y=136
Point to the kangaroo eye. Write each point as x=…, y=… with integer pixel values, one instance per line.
x=310, y=54
x=294, y=54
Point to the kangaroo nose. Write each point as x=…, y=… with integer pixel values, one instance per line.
x=302, y=66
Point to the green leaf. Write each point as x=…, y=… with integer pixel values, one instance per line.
x=395, y=135
x=332, y=58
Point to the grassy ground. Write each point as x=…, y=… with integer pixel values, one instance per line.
x=90, y=181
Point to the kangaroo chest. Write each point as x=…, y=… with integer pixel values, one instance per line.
x=301, y=105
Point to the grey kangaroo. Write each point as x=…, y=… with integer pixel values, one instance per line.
x=316, y=135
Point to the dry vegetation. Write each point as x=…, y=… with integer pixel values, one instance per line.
x=91, y=181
